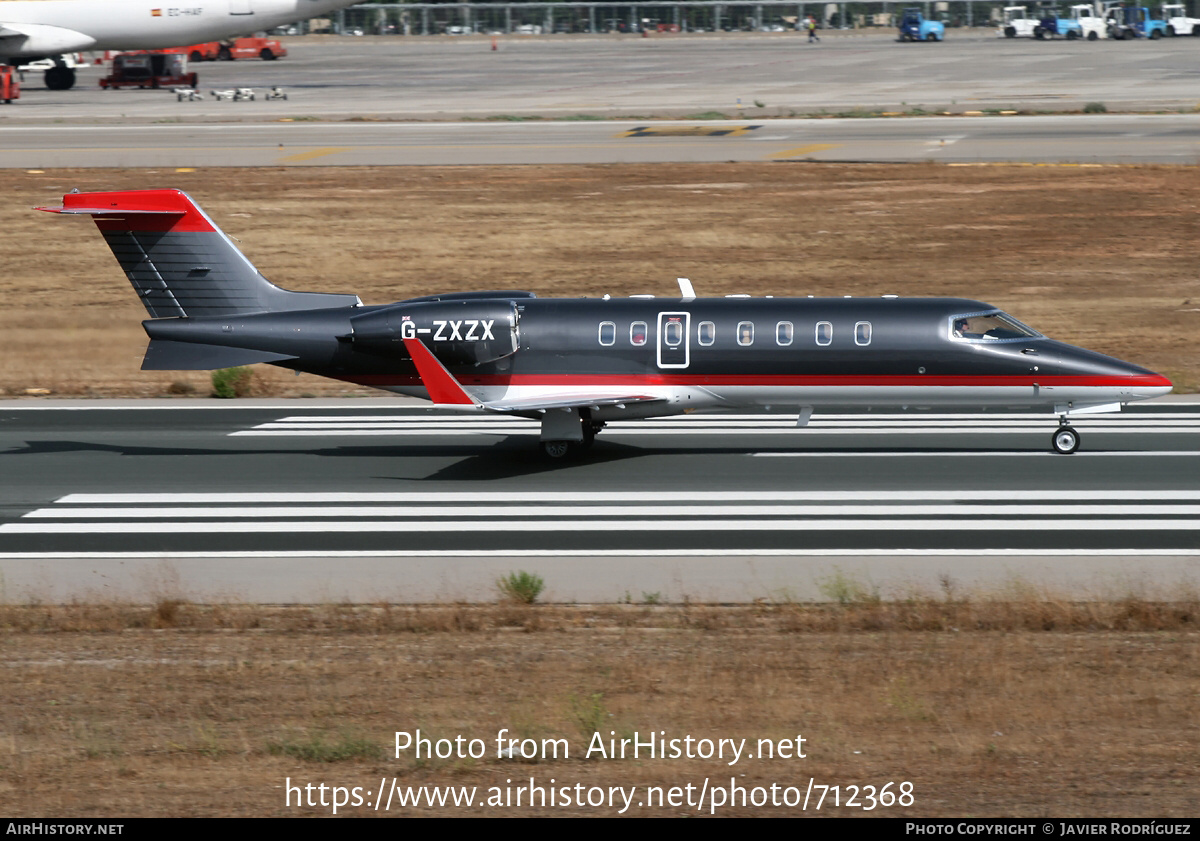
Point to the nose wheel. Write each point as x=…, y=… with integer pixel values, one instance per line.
x=1065, y=440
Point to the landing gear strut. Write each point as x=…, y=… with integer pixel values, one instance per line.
x=1065, y=439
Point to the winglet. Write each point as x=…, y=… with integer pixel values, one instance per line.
x=442, y=387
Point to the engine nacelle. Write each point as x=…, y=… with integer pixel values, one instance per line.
x=463, y=332
x=42, y=40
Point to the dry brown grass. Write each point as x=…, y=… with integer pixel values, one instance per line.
x=1104, y=257
x=990, y=706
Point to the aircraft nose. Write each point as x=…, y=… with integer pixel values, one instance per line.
x=1129, y=381
x=1147, y=384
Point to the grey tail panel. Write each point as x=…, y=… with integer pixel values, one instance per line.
x=195, y=273
x=179, y=262
x=165, y=355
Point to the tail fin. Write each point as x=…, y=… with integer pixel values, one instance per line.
x=179, y=262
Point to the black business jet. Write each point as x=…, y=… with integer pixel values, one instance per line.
x=577, y=363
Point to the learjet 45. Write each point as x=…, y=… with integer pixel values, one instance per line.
x=575, y=364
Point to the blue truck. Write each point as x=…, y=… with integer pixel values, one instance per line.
x=1053, y=25
x=1125, y=22
x=914, y=27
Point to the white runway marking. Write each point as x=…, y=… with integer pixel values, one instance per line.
x=655, y=525
x=410, y=425
x=996, y=512
x=540, y=511
x=608, y=553
x=1022, y=495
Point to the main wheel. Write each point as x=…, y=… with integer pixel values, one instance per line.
x=59, y=78
x=1065, y=440
x=558, y=450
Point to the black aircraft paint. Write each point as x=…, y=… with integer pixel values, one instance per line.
x=576, y=364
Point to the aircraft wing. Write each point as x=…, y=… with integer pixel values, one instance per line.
x=572, y=400
x=444, y=390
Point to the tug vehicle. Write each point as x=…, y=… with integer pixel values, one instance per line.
x=914, y=27
x=150, y=70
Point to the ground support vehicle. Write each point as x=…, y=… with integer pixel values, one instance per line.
x=1177, y=22
x=1016, y=23
x=149, y=70
x=1125, y=22
x=268, y=49
x=10, y=85
x=1091, y=25
x=914, y=27
x=1051, y=25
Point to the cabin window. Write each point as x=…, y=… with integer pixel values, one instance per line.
x=783, y=333
x=990, y=327
x=608, y=333
x=706, y=333
x=673, y=333
x=637, y=333
x=862, y=333
x=824, y=333
x=745, y=333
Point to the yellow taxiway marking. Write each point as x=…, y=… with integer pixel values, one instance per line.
x=688, y=131
x=314, y=153
x=801, y=151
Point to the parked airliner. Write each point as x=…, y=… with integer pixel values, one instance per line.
x=577, y=363
x=39, y=29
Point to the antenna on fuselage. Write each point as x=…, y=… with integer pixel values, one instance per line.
x=685, y=287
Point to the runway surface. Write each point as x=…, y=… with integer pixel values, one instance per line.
x=1169, y=138
x=365, y=101
x=304, y=500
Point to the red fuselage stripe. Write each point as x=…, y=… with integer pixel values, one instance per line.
x=782, y=381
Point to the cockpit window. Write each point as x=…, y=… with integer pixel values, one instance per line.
x=992, y=326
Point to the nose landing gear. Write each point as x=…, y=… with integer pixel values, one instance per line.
x=1065, y=439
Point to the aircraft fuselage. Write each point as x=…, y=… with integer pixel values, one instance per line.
x=692, y=354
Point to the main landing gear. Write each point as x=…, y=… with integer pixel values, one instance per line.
x=59, y=77
x=1065, y=439
x=577, y=431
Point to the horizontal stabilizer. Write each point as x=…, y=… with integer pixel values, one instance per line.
x=164, y=355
